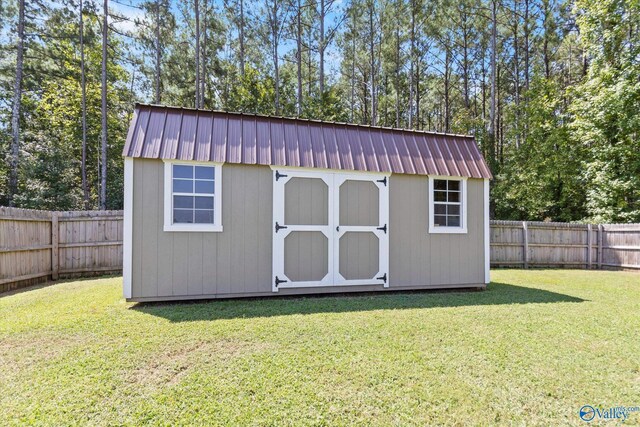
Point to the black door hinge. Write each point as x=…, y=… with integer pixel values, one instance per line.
x=383, y=278
x=383, y=180
x=280, y=175
x=383, y=228
x=278, y=281
x=279, y=227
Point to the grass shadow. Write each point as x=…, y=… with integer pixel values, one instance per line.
x=496, y=294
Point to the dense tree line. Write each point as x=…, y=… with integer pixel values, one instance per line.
x=550, y=89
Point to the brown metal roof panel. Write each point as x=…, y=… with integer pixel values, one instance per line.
x=164, y=132
x=451, y=167
x=307, y=158
x=468, y=159
x=414, y=152
x=219, y=139
x=437, y=156
x=187, y=139
x=331, y=146
x=395, y=164
x=380, y=152
x=263, y=141
x=355, y=148
x=344, y=154
x=318, y=149
x=249, y=155
x=202, y=149
x=457, y=157
x=405, y=157
x=133, y=125
x=139, y=135
x=234, y=139
x=291, y=145
x=278, y=154
x=154, y=135
x=425, y=153
x=368, y=152
x=478, y=159
x=171, y=135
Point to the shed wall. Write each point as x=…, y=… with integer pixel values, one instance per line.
x=237, y=261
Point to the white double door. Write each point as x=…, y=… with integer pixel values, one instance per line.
x=330, y=228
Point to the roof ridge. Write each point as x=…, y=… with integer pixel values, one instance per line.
x=301, y=119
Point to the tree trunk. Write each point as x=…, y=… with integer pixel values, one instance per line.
x=241, y=31
x=15, y=113
x=321, y=48
x=516, y=71
x=397, y=70
x=412, y=58
x=203, y=76
x=526, y=45
x=372, y=63
x=465, y=59
x=546, y=57
x=299, y=57
x=83, y=108
x=157, y=96
x=103, y=146
x=491, y=131
x=447, y=80
x=276, y=64
x=353, y=64
x=197, y=13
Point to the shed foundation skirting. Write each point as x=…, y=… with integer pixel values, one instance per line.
x=313, y=292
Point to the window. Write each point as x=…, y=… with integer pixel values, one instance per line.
x=192, y=197
x=447, y=205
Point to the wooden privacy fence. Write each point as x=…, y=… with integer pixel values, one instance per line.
x=556, y=244
x=38, y=245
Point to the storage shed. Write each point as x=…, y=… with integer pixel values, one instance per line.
x=222, y=205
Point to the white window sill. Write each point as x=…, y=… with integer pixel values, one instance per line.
x=447, y=230
x=195, y=228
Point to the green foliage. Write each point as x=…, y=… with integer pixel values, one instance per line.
x=607, y=122
x=566, y=143
x=542, y=179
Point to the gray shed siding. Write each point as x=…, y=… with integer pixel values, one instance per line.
x=237, y=261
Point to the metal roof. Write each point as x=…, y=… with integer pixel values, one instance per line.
x=161, y=132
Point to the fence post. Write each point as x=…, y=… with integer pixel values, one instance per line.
x=525, y=241
x=589, y=243
x=55, y=238
x=600, y=237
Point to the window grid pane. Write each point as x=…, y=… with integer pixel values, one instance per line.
x=447, y=203
x=193, y=194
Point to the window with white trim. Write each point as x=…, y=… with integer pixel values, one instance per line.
x=192, y=197
x=447, y=205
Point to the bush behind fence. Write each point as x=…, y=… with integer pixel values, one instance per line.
x=36, y=246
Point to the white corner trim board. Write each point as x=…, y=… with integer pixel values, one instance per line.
x=487, y=235
x=127, y=250
x=168, y=198
x=462, y=229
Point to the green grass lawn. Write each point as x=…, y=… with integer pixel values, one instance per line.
x=532, y=349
